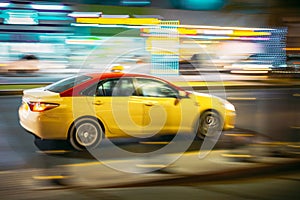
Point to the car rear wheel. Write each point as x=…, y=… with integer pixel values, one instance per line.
x=209, y=124
x=86, y=133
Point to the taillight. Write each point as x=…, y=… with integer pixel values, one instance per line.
x=41, y=106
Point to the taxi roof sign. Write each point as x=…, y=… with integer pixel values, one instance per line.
x=117, y=68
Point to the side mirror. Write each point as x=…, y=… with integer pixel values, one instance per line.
x=182, y=94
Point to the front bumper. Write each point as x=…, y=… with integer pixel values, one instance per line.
x=229, y=120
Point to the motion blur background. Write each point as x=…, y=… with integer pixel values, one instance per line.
x=247, y=50
x=217, y=32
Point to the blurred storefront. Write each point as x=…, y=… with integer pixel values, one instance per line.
x=52, y=32
x=39, y=29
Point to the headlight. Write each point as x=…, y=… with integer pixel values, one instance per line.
x=229, y=106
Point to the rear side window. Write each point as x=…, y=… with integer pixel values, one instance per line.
x=67, y=83
x=116, y=87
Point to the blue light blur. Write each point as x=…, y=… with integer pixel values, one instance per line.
x=199, y=4
x=135, y=2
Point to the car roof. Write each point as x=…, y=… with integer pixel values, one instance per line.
x=118, y=75
x=102, y=76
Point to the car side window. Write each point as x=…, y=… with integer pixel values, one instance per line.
x=67, y=83
x=155, y=88
x=116, y=87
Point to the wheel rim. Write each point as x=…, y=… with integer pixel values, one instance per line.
x=209, y=123
x=86, y=134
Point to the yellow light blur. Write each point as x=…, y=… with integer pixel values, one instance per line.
x=292, y=49
x=249, y=33
x=185, y=31
x=181, y=31
x=237, y=155
x=50, y=177
x=127, y=21
x=151, y=166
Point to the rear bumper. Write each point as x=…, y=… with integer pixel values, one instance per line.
x=28, y=131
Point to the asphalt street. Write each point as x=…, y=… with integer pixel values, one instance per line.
x=270, y=114
x=267, y=116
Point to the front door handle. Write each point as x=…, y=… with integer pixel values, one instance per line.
x=150, y=103
x=98, y=102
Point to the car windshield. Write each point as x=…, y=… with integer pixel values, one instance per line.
x=67, y=83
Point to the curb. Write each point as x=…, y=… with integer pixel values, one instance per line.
x=235, y=174
x=11, y=92
x=168, y=177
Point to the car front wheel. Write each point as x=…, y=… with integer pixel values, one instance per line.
x=209, y=124
x=86, y=133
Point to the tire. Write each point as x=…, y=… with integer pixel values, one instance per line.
x=86, y=133
x=209, y=124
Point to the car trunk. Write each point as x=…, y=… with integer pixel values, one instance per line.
x=41, y=95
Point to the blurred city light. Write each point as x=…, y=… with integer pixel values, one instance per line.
x=4, y=4
x=199, y=4
x=85, y=14
x=253, y=45
x=135, y=2
x=47, y=7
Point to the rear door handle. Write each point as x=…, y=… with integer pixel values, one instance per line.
x=98, y=102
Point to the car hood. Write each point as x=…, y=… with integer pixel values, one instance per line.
x=208, y=100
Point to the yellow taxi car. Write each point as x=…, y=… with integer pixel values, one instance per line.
x=86, y=108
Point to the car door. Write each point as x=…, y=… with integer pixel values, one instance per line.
x=114, y=104
x=166, y=111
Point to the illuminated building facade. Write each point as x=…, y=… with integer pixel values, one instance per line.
x=54, y=32
x=36, y=28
